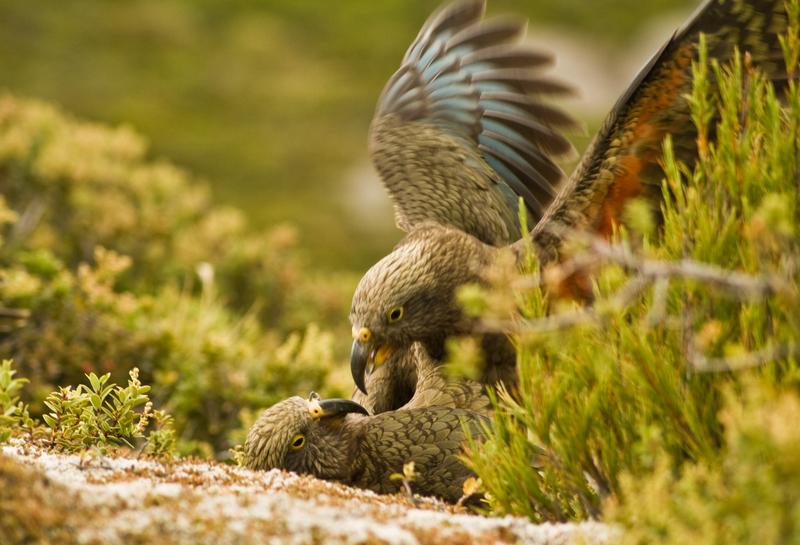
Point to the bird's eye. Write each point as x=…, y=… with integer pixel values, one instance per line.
x=395, y=314
x=298, y=441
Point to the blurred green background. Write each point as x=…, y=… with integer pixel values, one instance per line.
x=271, y=100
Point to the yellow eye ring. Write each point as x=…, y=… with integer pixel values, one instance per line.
x=395, y=315
x=298, y=441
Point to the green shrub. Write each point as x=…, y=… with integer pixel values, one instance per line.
x=13, y=412
x=77, y=186
x=750, y=497
x=681, y=317
x=109, y=260
x=100, y=415
x=206, y=363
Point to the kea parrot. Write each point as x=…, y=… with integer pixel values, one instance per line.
x=335, y=439
x=460, y=133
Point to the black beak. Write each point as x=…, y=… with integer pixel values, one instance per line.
x=359, y=359
x=339, y=407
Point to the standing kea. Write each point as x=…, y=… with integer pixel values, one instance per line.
x=460, y=131
x=460, y=134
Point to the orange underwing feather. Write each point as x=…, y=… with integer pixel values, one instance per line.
x=623, y=161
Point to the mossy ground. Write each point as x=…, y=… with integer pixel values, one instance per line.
x=46, y=498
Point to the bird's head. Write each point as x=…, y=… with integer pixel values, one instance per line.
x=409, y=296
x=301, y=435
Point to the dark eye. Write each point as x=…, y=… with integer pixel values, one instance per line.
x=298, y=441
x=395, y=314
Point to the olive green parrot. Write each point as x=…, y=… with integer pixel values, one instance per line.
x=460, y=134
x=335, y=439
x=460, y=131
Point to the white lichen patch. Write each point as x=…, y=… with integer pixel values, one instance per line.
x=117, y=499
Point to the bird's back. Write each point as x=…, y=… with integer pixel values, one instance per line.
x=431, y=437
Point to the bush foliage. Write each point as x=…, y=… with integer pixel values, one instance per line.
x=110, y=260
x=99, y=415
x=687, y=320
x=620, y=404
x=750, y=496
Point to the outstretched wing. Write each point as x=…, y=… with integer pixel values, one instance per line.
x=623, y=161
x=460, y=130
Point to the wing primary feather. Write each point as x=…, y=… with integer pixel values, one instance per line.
x=509, y=56
x=516, y=184
x=455, y=90
x=467, y=104
x=451, y=16
x=538, y=160
x=441, y=66
x=514, y=160
x=430, y=54
x=550, y=140
x=489, y=32
x=526, y=80
x=400, y=83
x=539, y=110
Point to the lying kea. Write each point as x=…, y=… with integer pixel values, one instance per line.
x=337, y=439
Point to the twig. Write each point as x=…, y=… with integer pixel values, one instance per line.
x=658, y=311
x=406, y=477
x=565, y=320
x=703, y=364
x=648, y=271
x=598, y=249
x=408, y=492
x=742, y=284
x=17, y=313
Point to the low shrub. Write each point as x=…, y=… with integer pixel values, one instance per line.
x=631, y=388
x=110, y=260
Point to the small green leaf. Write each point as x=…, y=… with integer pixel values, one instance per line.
x=94, y=381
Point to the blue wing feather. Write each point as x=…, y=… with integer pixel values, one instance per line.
x=475, y=80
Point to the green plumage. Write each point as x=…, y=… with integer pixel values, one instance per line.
x=461, y=130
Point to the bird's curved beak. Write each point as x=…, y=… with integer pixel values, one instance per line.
x=366, y=355
x=327, y=408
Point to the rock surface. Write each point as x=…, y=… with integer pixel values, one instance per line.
x=50, y=498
